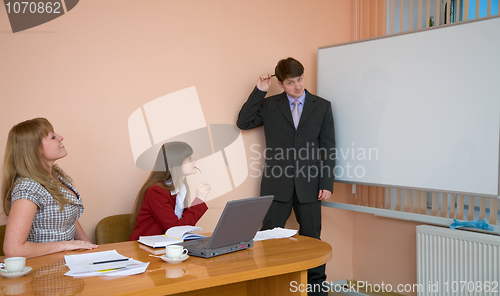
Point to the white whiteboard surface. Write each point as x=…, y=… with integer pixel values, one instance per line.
x=428, y=103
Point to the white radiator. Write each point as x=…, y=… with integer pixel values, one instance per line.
x=457, y=262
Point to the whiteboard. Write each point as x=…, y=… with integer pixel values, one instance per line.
x=418, y=110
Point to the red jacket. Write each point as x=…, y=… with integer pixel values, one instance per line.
x=157, y=213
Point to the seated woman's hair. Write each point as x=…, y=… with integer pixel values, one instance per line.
x=169, y=161
x=168, y=166
x=22, y=159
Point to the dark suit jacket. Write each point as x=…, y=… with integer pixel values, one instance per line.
x=293, y=156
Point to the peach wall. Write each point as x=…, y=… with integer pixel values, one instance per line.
x=384, y=250
x=88, y=70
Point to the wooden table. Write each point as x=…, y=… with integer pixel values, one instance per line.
x=265, y=269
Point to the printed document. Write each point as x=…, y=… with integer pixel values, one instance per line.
x=107, y=263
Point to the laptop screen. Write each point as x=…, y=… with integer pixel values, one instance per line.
x=240, y=221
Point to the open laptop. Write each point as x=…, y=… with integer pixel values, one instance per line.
x=237, y=226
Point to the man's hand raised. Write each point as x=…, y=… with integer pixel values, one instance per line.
x=264, y=82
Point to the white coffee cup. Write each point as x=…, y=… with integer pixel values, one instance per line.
x=15, y=289
x=175, y=252
x=176, y=273
x=14, y=264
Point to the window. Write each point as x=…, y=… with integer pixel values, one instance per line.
x=483, y=8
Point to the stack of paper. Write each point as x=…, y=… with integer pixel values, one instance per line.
x=274, y=233
x=107, y=263
x=154, y=251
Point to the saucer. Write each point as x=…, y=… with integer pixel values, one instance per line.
x=12, y=275
x=170, y=260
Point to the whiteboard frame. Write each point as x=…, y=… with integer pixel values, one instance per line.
x=396, y=35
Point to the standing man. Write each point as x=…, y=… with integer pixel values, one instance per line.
x=300, y=156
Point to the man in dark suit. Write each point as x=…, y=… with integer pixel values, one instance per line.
x=300, y=153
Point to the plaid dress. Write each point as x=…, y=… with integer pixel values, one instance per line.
x=49, y=223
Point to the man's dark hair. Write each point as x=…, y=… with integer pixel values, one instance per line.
x=288, y=68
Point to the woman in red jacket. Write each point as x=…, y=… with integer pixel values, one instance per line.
x=162, y=201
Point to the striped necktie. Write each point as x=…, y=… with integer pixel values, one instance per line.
x=295, y=113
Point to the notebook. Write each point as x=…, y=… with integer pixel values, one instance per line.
x=172, y=236
x=237, y=226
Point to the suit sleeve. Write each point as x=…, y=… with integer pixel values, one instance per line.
x=327, y=141
x=251, y=113
x=162, y=207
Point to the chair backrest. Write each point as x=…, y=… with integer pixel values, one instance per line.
x=113, y=229
x=2, y=237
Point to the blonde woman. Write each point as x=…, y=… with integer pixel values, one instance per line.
x=162, y=201
x=42, y=205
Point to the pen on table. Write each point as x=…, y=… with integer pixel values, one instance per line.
x=117, y=268
x=111, y=269
x=110, y=261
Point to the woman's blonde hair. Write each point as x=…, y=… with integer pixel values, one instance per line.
x=168, y=166
x=22, y=159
